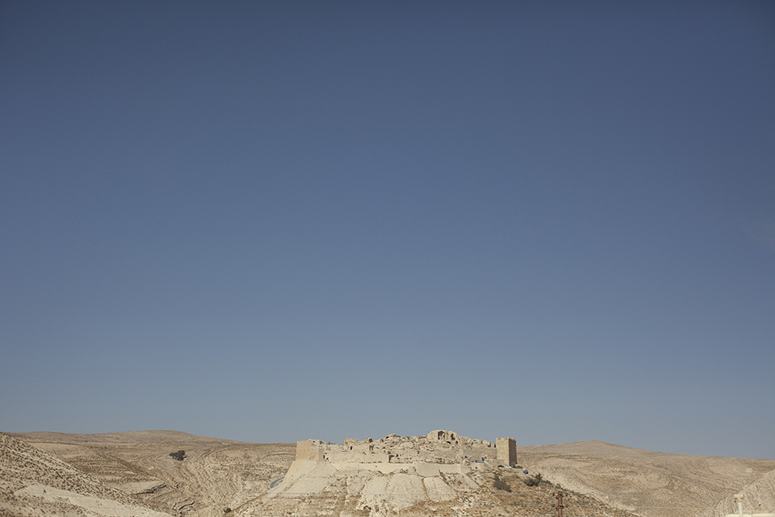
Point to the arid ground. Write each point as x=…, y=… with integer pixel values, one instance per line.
x=127, y=474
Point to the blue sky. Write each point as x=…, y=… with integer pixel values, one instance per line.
x=276, y=221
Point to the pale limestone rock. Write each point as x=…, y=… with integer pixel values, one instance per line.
x=437, y=489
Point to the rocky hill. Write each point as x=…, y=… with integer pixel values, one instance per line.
x=215, y=474
x=250, y=479
x=33, y=482
x=653, y=484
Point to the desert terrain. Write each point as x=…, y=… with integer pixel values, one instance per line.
x=655, y=484
x=134, y=474
x=215, y=474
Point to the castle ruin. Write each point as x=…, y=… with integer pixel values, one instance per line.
x=438, y=451
x=386, y=475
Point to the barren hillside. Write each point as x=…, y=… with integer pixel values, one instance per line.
x=652, y=484
x=758, y=497
x=33, y=482
x=215, y=474
x=219, y=474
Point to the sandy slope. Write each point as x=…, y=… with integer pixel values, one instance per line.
x=216, y=473
x=758, y=497
x=33, y=482
x=652, y=484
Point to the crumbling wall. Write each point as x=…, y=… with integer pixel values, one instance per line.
x=443, y=448
x=442, y=435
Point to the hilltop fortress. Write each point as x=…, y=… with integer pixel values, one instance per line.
x=389, y=474
x=393, y=452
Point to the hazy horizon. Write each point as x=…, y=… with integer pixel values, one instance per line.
x=277, y=221
x=340, y=440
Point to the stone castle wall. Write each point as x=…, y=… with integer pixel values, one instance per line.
x=437, y=447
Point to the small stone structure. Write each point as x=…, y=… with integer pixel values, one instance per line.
x=441, y=435
x=506, y=451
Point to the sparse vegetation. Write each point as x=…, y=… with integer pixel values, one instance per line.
x=178, y=455
x=501, y=485
x=533, y=480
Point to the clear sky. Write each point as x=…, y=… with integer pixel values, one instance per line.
x=327, y=219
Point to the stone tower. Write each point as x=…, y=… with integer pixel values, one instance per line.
x=506, y=451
